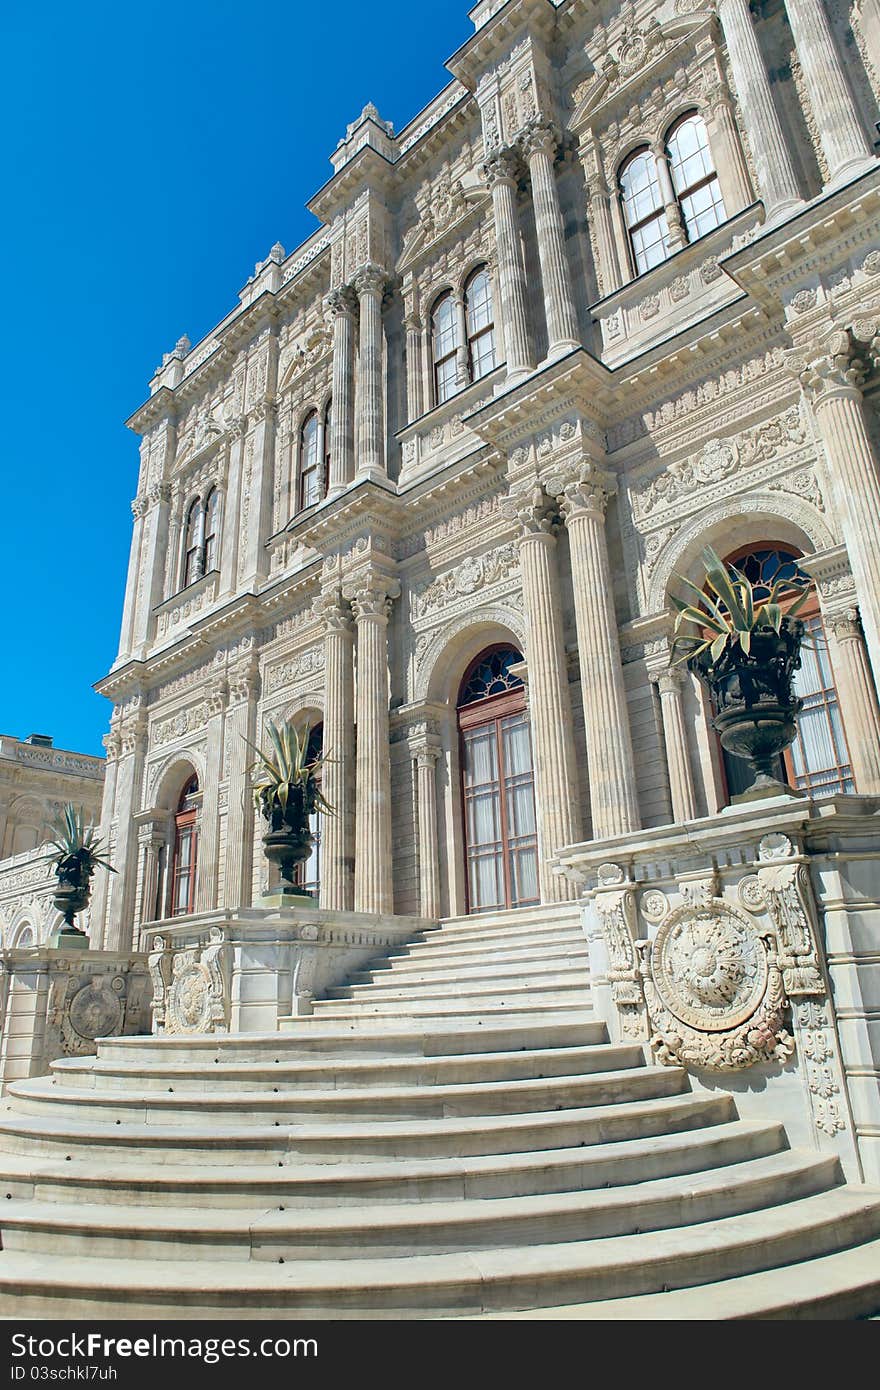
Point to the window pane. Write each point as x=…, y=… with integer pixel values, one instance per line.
x=483, y=354
x=640, y=188
x=703, y=209
x=479, y=303
x=445, y=326
x=446, y=384
x=650, y=243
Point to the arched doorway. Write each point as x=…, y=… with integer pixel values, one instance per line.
x=185, y=860
x=818, y=761
x=497, y=784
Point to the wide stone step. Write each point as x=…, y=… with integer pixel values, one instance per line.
x=365, y=1036
x=521, y=1001
x=450, y=1284
x=554, y=940
x=465, y=984
x=426, y=1228
x=299, y=1104
x=522, y=967
x=525, y=1064
x=581, y=1168
x=667, y=1110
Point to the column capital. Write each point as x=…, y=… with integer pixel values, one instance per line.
x=425, y=754
x=532, y=510
x=371, y=596
x=846, y=626
x=159, y=492
x=669, y=681
x=341, y=302
x=370, y=279
x=501, y=166
x=333, y=611
x=540, y=135
x=836, y=366
x=581, y=490
x=139, y=507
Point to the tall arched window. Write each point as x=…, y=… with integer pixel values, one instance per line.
x=328, y=435
x=643, y=211
x=309, y=463
x=445, y=337
x=818, y=760
x=480, y=318
x=192, y=558
x=184, y=867
x=201, y=543
x=693, y=176
x=500, y=827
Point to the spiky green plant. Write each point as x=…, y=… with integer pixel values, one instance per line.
x=285, y=767
x=78, y=847
x=729, y=612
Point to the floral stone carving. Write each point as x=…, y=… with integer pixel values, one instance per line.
x=191, y=987
x=714, y=990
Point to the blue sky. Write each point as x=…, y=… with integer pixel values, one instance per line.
x=152, y=154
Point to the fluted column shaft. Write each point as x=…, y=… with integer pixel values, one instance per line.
x=677, y=234
x=777, y=184
x=733, y=171
x=337, y=830
x=613, y=797
x=414, y=375
x=239, y=735
x=373, y=884
x=118, y=934
x=857, y=697
x=681, y=781
x=540, y=143
x=833, y=382
x=501, y=174
x=556, y=789
x=429, y=865
x=126, y=640
x=844, y=142
x=342, y=306
x=370, y=286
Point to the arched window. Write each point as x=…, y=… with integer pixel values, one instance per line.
x=201, y=542
x=497, y=780
x=328, y=434
x=212, y=529
x=309, y=463
x=818, y=761
x=192, y=550
x=643, y=211
x=693, y=176
x=184, y=866
x=480, y=318
x=445, y=336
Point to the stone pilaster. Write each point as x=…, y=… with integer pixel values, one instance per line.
x=139, y=508
x=556, y=790
x=371, y=598
x=833, y=381
x=777, y=183
x=415, y=396
x=370, y=283
x=256, y=523
x=857, y=697
x=501, y=173
x=230, y=539
x=844, y=142
x=337, y=844
x=425, y=756
x=119, y=921
x=101, y=888
x=154, y=539
x=209, y=836
x=681, y=781
x=341, y=306
x=583, y=496
x=240, y=725
x=540, y=143
x=732, y=169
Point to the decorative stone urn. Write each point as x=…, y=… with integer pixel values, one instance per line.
x=755, y=701
x=288, y=840
x=74, y=874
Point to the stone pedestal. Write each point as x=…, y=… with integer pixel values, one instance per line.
x=743, y=947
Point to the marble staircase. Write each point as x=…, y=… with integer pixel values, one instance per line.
x=450, y=1134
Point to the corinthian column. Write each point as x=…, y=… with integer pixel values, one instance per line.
x=776, y=178
x=337, y=830
x=373, y=882
x=556, y=792
x=369, y=283
x=426, y=756
x=500, y=172
x=613, y=798
x=414, y=378
x=858, y=698
x=833, y=381
x=539, y=144
x=341, y=305
x=681, y=781
x=844, y=142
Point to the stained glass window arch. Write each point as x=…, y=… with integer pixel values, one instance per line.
x=491, y=674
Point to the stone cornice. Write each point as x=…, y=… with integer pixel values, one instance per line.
x=576, y=381
x=367, y=169
x=483, y=48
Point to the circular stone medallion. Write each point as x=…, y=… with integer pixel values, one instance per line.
x=709, y=966
x=190, y=1000
x=95, y=1012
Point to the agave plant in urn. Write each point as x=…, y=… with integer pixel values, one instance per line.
x=287, y=793
x=745, y=646
x=78, y=852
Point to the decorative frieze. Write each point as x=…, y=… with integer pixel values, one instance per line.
x=473, y=574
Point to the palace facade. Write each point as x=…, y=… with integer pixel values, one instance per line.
x=612, y=296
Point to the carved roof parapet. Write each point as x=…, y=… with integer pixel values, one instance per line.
x=492, y=40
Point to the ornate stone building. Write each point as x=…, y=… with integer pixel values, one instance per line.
x=427, y=488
